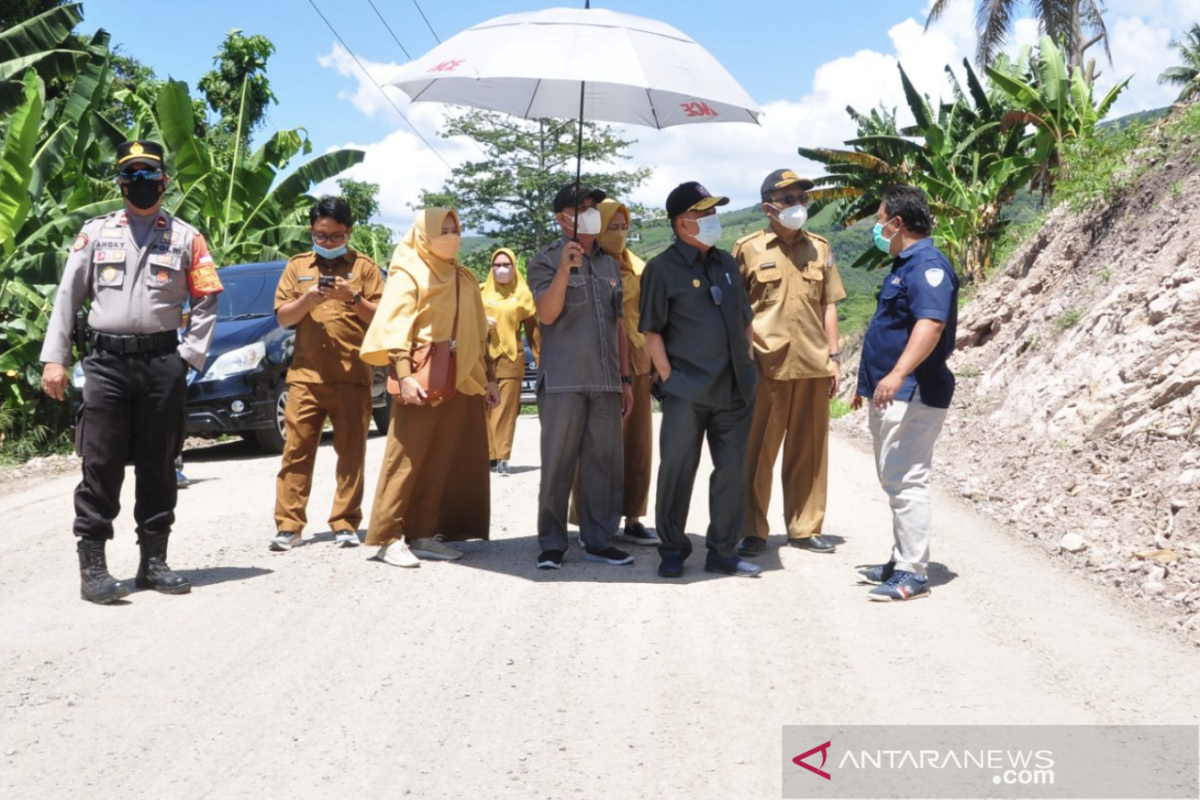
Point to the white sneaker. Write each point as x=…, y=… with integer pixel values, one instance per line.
x=397, y=554
x=346, y=538
x=285, y=541
x=435, y=549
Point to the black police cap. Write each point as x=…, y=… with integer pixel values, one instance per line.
x=783, y=178
x=139, y=150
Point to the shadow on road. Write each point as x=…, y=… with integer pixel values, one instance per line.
x=210, y=576
x=517, y=557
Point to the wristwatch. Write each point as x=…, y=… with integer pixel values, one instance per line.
x=835, y=357
x=356, y=299
x=627, y=379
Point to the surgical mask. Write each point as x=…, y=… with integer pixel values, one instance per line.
x=613, y=242
x=445, y=246
x=144, y=194
x=710, y=230
x=503, y=274
x=881, y=241
x=793, y=217
x=329, y=252
x=589, y=222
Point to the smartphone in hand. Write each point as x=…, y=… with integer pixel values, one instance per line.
x=326, y=281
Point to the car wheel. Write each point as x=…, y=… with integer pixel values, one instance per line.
x=382, y=416
x=271, y=439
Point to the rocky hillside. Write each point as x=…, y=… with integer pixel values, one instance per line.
x=1077, y=415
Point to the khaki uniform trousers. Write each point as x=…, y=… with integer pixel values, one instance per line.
x=348, y=407
x=793, y=413
x=502, y=420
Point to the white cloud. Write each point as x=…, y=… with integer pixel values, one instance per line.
x=732, y=158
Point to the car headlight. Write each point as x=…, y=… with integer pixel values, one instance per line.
x=236, y=362
x=77, y=378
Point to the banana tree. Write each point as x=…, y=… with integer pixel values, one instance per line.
x=247, y=213
x=42, y=43
x=1057, y=102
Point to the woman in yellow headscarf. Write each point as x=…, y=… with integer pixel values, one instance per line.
x=434, y=482
x=509, y=306
x=638, y=428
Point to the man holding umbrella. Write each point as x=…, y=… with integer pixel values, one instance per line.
x=584, y=387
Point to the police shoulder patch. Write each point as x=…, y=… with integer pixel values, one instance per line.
x=80, y=242
x=935, y=276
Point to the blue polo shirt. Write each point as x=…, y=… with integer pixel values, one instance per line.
x=921, y=285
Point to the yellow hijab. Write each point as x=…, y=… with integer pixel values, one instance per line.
x=631, y=273
x=510, y=304
x=418, y=305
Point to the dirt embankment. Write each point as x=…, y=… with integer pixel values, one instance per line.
x=1077, y=413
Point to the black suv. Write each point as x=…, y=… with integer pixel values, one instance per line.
x=243, y=388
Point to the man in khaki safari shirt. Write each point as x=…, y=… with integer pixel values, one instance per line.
x=329, y=296
x=793, y=284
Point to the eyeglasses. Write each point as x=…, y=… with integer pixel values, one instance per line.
x=502, y=264
x=788, y=200
x=329, y=238
x=129, y=176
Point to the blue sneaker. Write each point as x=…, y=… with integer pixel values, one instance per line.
x=901, y=586
x=880, y=574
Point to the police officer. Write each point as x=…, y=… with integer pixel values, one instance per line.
x=904, y=373
x=696, y=320
x=793, y=285
x=139, y=267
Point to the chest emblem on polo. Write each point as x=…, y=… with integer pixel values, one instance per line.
x=896, y=281
x=696, y=283
x=935, y=276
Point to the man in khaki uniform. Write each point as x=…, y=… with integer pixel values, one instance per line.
x=793, y=284
x=329, y=296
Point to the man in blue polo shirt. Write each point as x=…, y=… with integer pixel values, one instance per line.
x=904, y=373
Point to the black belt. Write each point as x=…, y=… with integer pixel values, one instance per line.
x=124, y=344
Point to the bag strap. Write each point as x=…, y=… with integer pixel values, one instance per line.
x=457, y=295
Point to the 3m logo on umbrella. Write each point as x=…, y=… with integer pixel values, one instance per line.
x=697, y=108
x=448, y=66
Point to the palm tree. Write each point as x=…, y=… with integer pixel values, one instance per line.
x=1074, y=25
x=1187, y=76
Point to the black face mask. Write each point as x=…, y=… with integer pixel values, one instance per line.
x=144, y=194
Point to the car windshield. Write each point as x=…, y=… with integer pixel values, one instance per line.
x=247, y=295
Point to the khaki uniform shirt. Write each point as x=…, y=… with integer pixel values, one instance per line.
x=789, y=287
x=137, y=289
x=330, y=336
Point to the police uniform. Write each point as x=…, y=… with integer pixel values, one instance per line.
x=710, y=390
x=327, y=379
x=138, y=272
x=790, y=285
x=921, y=285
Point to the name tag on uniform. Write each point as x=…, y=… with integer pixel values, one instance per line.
x=768, y=265
x=303, y=278
x=102, y=256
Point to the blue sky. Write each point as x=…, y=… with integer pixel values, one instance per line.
x=803, y=62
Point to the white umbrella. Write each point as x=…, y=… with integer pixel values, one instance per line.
x=596, y=63
x=545, y=63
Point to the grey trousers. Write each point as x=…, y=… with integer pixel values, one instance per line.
x=580, y=431
x=681, y=437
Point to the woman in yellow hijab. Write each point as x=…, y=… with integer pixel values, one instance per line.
x=638, y=428
x=434, y=483
x=509, y=306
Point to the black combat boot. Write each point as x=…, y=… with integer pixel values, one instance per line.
x=97, y=585
x=153, y=572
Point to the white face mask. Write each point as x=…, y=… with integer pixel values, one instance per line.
x=793, y=217
x=710, y=230
x=503, y=274
x=445, y=246
x=589, y=222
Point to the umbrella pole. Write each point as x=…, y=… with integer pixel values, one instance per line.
x=578, y=166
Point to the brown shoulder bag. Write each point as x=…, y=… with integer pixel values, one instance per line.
x=434, y=365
